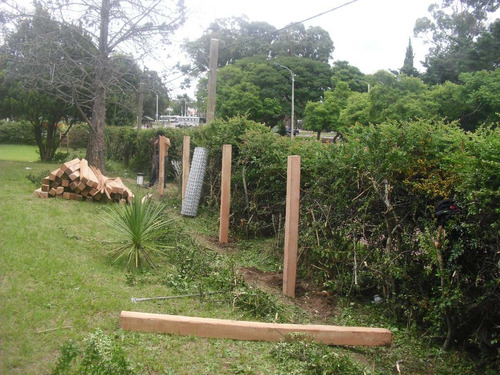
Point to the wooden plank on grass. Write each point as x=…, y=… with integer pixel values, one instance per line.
x=253, y=331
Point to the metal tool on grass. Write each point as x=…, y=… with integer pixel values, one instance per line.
x=135, y=300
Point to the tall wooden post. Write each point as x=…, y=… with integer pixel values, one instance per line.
x=212, y=79
x=185, y=163
x=161, y=162
x=291, y=225
x=140, y=107
x=225, y=194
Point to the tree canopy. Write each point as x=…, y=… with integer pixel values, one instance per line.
x=458, y=35
x=81, y=69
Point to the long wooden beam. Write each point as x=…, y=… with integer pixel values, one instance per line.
x=253, y=331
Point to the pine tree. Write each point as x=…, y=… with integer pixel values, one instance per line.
x=408, y=68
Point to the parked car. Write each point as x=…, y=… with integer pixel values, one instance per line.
x=295, y=131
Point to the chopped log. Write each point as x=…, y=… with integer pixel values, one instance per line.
x=73, y=176
x=85, y=191
x=84, y=168
x=40, y=194
x=253, y=331
x=80, y=186
x=89, y=199
x=92, y=179
x=69, y=164
x=53, y=175
x=77, y=180
x=59, y=196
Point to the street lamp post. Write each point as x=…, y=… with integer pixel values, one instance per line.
x=293, y=97
x=156, y=108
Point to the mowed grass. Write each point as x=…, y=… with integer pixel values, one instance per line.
x=58, y=283
x=19, y=153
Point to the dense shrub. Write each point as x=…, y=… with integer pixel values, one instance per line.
x=123, y=145
x=367, y=215
x=16, y=132
x=78, y=136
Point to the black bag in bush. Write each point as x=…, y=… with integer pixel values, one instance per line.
x=444, y=210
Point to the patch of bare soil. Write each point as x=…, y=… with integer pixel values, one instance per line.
x=314, y=301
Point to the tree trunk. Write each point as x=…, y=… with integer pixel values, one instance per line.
x=96, y=149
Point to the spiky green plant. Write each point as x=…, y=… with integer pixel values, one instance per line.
x=138, y=227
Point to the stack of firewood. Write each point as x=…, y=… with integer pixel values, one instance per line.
x=77, y=180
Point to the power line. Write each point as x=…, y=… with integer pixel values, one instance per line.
x=291, y=25
x=271, y=33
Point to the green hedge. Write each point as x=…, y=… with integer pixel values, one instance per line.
x=367, y=215
x=16, y=132
x=123, y=145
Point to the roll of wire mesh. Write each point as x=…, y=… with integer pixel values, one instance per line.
x=195, y=182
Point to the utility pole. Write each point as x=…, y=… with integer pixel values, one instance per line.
x=140, y=107
x=212, y=79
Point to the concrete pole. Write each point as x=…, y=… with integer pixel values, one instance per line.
x=212, y=79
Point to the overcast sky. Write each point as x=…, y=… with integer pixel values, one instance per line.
x=370, y=34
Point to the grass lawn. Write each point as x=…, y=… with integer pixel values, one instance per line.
x=58, y=283
x=19, y=153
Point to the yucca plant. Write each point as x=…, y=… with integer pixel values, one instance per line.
x=138, y=227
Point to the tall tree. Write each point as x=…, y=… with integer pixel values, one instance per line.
x=109, y=27
x=408, y=68
x=452, y=32
x=241, y=39
x=342, y=71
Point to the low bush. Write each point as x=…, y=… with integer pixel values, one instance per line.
x=101, y=355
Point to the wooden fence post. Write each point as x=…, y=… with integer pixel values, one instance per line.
x=185, y=163
x=161, y=163
x=225, y=194
x=291, y=225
